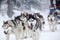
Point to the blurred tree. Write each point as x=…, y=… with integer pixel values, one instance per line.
x=10, y=8
x=1, y=3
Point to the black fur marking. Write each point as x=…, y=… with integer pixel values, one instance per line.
x=13, y=22
x=38, y=25
x=23, y=26
x=31, y=16
x=25, y=37
x=6, y=22
x=17, y=18
x=40, y=16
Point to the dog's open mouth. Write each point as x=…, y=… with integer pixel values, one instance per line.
x=31, y=27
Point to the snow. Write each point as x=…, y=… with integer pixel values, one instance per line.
x=46, y=34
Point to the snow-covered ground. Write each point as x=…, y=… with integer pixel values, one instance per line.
x=46, y=34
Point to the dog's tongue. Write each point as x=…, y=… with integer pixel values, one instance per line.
x=31, y=27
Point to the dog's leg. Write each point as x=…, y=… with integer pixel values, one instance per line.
x=17, y=35
x=7, y=36
x=27, y=31
x=35, y=36
x=51, y=26
x=54, y=27
x=42, y=27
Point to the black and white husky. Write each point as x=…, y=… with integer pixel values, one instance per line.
x=34, y=27
x=41, y=18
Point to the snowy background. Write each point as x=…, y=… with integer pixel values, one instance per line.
x=30, y=6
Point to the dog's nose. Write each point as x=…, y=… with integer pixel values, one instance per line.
x=51, y=19
x=5, y=32
x=43, y=22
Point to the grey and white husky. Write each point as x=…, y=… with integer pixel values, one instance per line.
x=52, y=22
x=15, y=26
x=23, y=17
x=11, y=27
x=54, y=19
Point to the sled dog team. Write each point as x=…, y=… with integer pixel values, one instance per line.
x=29, y=24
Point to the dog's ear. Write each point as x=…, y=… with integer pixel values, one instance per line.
x=55, y=13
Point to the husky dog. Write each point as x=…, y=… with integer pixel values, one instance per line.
x=15, y=27
x=34, y=26
x=23, y=17
x=40, y=17
x=52, y=22
x=57, y=16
